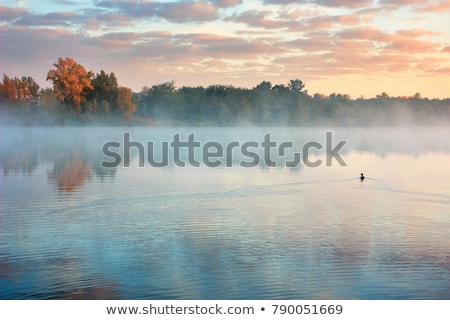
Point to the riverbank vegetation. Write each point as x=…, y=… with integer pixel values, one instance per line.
x=78, y=96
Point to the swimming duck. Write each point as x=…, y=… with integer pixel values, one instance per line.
x=362, y=177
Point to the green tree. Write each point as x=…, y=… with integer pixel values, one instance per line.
x=158, y=101
x=297, y=86
x=264, y=86
x=103, y=96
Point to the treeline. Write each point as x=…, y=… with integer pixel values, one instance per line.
x=77, y=96
x=84, y=97
x=283, y=105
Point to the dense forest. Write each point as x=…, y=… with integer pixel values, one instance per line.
x=84, y=97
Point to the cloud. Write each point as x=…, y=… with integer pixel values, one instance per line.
x=416, y=33
x=114, y=13
x=362, y=33
x=440, y=6
x=324, y=65
x=23, y=17
x=257, y=18
x=327, y=22
x=65, y=2
x=172, y=11
x=298, y=22
x=227, y=3
x=326, y=3
x=49, y=19
x=187, y=11
x=402, y=40
x=113, y=20
x=10, y=14
x=412, y=45
x=44, y=44
x=26, y=45
x=219, y=46
x=321, y=44
x=417, y=5
x=402, y=2
x=111, y=41
x=136, y=9
x=344, y=3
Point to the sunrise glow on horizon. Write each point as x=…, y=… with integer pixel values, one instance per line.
x=359, y=47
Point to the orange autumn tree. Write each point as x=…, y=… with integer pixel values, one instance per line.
x=71, y=82
x=19, y=91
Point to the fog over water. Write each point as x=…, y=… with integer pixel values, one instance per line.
x=72, y=228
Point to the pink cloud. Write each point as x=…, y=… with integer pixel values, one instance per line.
x=418, y=5
x=188, y=11
x=415, y=33
x=9, y=14
x=92, y=24
x=257, y=18
x=49, y=19
x=374, y=34
x=412, y=45
x=227, y=3
x=262, y=19
x=327, y=3
x=362, y=33
x=327, y=22
x=113, y=17
x=405, y=41
x=112, y=41
x=172, y=11
x=440, y=6
x=345, y=3
x=402, y=2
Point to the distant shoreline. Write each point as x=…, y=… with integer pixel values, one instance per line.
x=81, y=97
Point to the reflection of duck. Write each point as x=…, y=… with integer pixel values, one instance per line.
x=362, y=177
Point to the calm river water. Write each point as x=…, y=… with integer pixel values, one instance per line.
x=73, y=229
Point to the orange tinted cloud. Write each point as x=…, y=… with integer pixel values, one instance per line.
x=403, y=40
x=412, y=45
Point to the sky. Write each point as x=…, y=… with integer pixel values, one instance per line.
x=356, y=47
